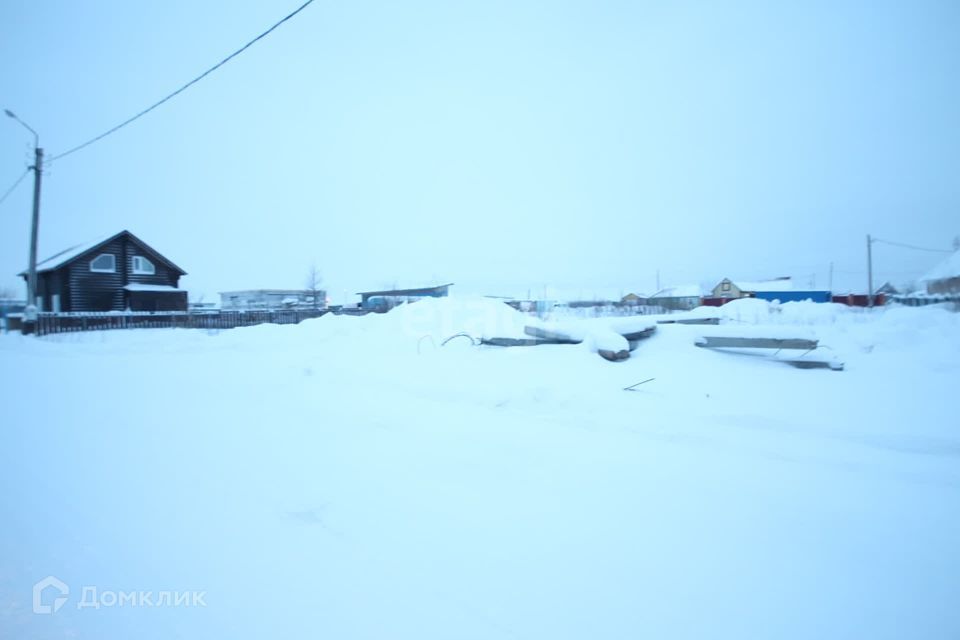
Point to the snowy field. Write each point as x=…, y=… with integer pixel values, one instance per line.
x=351, y=478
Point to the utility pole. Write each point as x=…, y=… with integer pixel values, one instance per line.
x=34, y=227
x=869, y=271
x=30, y=312
x=831, y=278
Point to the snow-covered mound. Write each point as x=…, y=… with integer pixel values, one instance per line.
x=443, y=317
x=755, y=311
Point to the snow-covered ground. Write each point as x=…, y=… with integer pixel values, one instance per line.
x=351, y=478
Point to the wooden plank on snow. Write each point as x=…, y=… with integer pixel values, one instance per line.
x=553, y=337
x=691, y=321
x=736, y=342
x=804, y=363
x=514, y=342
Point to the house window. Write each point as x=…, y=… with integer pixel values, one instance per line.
x=143, y=267
x=726, y=286
x=104, y=263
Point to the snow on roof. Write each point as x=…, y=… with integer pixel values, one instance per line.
x=67, y=255
x=158, y=288
x=780, y=284
x=681, y=291
x=949, y=268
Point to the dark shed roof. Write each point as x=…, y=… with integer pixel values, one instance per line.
x=424, y=291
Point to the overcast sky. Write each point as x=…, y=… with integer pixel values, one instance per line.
x=503, y=146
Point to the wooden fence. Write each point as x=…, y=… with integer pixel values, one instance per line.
x=922, y=300
x=49, y=323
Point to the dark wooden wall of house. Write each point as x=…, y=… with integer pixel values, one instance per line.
x=92, y=291
x=944, y=285
x=49, y=285
x=46, y=287
x=164, y=274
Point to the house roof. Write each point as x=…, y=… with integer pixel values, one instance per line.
x=681, y=291
x=69, y=255
x=949, y=268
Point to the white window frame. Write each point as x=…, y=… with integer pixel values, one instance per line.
x=112, y=269
x=152, y=271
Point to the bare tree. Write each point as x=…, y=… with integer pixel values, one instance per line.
x=312, y=285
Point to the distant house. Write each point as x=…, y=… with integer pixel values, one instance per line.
x=114, y=273
x=633, y=299
x=8, y=307
x=273, y=299
x=727, y=288
x=682, y=298
x=385, y=300
x=945, y=277
x=887, y=289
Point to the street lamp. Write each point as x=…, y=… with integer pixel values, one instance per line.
x=36, y=137
x=30, y=312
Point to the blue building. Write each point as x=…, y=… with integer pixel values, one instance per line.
x=793, y=296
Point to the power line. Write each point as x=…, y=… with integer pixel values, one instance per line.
x=15, y=185
x=898, y=272
x=910, y=246
x=184, y=87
